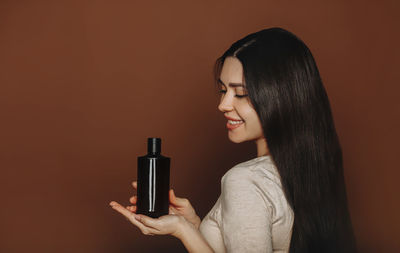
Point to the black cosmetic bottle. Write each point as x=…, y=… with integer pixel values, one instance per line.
x=153, y=181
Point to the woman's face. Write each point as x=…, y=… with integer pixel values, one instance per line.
x=246, y=125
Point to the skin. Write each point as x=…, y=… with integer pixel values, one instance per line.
x=182, y=221
x=240, y=107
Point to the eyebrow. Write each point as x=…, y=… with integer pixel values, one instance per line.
x=231, y=84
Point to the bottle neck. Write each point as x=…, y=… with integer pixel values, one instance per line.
x=154, y=146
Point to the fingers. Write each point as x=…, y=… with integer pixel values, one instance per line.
x=149, y=222
x=172, y=197
x=134, y=184
x=132, y=208
x=133, y=218
x=133, y=199
x=172, y=210
x=116, y=206
x=178, y=201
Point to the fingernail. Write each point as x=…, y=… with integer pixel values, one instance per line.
x=112, y=203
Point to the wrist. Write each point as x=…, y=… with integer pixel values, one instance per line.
x=194, y=219
x=192, y=238
x=184, y=226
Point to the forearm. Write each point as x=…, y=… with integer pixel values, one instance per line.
x=193, y=240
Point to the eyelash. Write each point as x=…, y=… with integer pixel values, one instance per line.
x=239, y=96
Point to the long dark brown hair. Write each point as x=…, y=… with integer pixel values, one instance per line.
x=286, y=90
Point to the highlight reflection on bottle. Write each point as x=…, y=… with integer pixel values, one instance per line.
x=153, y=181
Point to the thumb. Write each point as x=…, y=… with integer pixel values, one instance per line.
x=175, y=200
x=172, y=197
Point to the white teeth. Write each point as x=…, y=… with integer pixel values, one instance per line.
x=235, y=122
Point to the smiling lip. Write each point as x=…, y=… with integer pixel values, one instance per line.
x=232, y=118
x=233, y=126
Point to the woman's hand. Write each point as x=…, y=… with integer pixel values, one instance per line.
x=179, y=206
x=183, y=207
x=170, y=224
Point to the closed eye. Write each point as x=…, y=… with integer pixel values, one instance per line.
x=239, y=96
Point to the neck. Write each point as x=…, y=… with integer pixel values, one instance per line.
x=262, y=148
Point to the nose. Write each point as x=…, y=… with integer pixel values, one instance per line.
x=225, y=104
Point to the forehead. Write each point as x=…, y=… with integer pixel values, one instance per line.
x=232, y=71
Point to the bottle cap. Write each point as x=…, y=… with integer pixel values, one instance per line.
x=154, y=145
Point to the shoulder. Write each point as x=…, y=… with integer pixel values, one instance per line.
x=255, y=171
x=257, y=178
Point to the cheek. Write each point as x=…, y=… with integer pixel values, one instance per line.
x=253, y=122
x=248, y=114
x=245, y=111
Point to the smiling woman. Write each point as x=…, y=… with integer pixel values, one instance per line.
x=291, y=197
x=243, y=122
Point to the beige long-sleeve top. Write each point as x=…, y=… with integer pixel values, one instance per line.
x=251, y=214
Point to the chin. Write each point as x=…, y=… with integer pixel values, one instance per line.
x=236, y=139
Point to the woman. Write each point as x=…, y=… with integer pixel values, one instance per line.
x=291, y=197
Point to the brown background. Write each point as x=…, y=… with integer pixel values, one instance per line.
x=84, y=83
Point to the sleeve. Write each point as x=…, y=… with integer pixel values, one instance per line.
x=245, y=214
